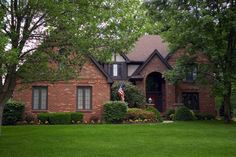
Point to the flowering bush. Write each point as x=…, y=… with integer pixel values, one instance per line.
x=140, y=115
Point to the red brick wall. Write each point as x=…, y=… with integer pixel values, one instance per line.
x=206, y=99
x=62, y=95
x=173, y=93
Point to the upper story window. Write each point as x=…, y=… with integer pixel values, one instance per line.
x=191, y=75
x=115, y=70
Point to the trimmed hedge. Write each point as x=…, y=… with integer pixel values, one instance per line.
x=114, y=111
x=43, y=117
x=77, y=117
x=154, y=110
x=60, y=117
x=184, y=114
x=140, y=115
x=13, y=112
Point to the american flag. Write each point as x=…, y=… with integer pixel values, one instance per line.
x=121, y=92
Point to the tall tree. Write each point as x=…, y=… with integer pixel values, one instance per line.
x=207, y=26
x=31, y=29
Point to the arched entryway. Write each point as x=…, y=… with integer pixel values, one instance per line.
x=155, y=86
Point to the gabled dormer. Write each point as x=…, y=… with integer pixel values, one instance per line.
x=117, y=67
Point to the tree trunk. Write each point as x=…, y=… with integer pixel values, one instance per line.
x=6, y=91
x=1, y=115
x=227, y=104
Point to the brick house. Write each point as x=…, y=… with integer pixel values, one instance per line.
x=144, y=67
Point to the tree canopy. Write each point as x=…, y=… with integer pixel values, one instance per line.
x=205, y=26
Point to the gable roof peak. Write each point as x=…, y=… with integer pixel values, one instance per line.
x=153, y=54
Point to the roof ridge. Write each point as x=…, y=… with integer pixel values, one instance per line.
x=155, y=52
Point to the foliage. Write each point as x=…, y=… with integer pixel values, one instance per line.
x=133, y=96
x=94, y=119
x=77, y=117
x=97, y=27
x=154, y=110
x=206, y=28
x=29, y=118
x=13, y=112
x=183, y=114
x=204, y=116
x=60, y=118
x=140, y=115
x=169, y=113
x=43, y=117
x=114, y=111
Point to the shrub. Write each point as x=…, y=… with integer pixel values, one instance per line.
x=133, y=96
x=94, y=119
x=204, y=116
x=183, y=114
x=140, y=115
x=77, y=117
x=60, y=118
x=30, y=118
x=209, y=116
x=13, y=112
x=114, y=111
x=43, y=117
x=169, y=113
x=154, y=110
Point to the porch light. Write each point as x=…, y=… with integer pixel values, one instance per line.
x=150, y=100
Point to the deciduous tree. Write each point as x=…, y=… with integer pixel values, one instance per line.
x=32, y=29
x=207, y=26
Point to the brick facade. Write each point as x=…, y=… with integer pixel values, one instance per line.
x=62, y=96
x=172, y=94
x=206, y=98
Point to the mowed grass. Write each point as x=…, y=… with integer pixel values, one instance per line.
x=179, y=139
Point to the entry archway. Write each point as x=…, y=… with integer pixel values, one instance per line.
x=155, y=87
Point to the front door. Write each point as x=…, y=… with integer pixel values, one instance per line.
x=154, y=83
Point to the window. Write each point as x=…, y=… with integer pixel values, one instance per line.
x=84, y=98
x=191, y=75
x=115, y=69
x=191, y=100
x=40, y=98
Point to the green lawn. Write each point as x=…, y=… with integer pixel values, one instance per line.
x=179, y=139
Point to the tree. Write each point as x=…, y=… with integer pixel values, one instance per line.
x=207, y=27
x=32, y=31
